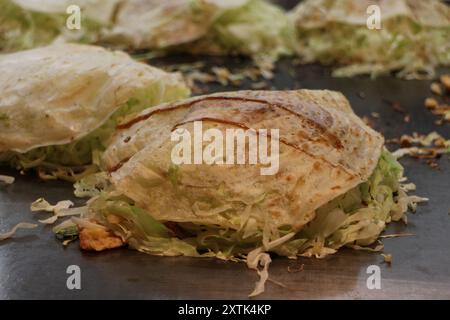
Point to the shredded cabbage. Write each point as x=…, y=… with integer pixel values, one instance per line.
x=80, y=158
x=401, y=45
x=257, y=29
x=43, y=205
x=66, y=229
x=7, y=179
x=354, y=219
x=22, y=28
x=21, y=225
x=71, y=161
x=91, y=185
x=59, y=210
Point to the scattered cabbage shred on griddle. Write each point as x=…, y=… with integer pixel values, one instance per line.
x=354, y=219
x=20, y=225
x=6, y=179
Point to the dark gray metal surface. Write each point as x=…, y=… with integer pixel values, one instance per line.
x=33, y=264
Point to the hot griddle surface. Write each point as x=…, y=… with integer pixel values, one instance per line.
x=33, y=264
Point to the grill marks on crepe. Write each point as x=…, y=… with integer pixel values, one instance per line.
x=320, y=125
x=246, y=112
x=330, y=151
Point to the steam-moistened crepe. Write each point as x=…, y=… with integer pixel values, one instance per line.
x=160, y=24
x=252, y=27
x=336, y=185
x=414, y=37
x=59, y=104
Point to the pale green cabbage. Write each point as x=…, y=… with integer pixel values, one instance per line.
x=251, y=27
x=21, y=225
x=80, y=158
x=257, y=29
x=22, y=28
x=354, y=219
x=402, y=46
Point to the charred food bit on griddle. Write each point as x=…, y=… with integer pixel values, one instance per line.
x=438, y=105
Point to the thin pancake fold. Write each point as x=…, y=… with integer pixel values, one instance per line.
x=325, y=150
x=334, y=184
x=250, y=27
x=255, y=28
x=61, y=95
